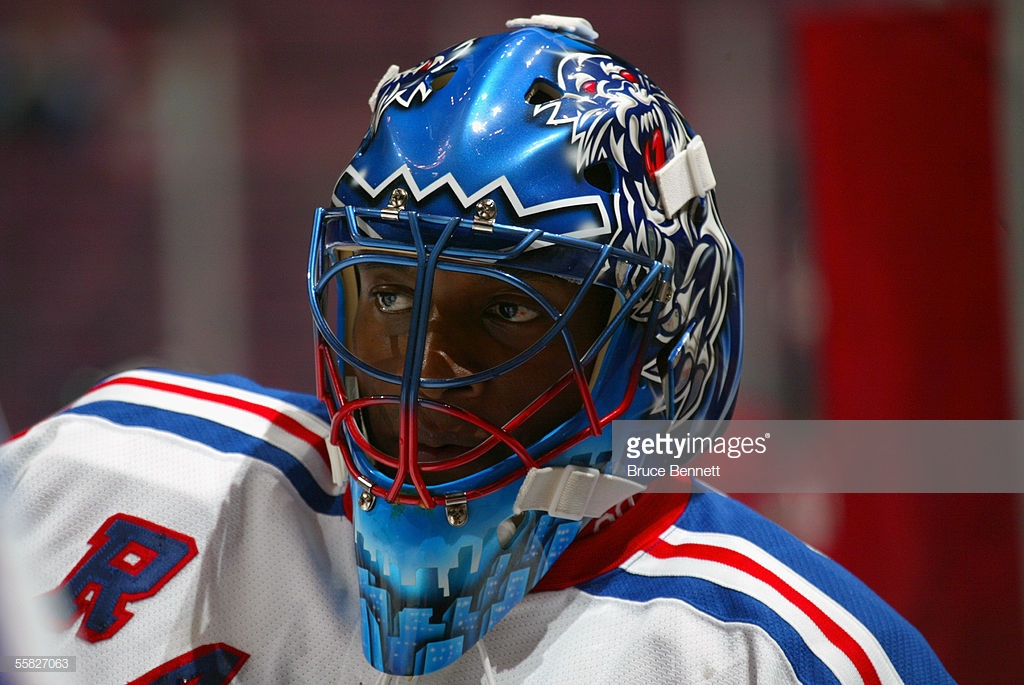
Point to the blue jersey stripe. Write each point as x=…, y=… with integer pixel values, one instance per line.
x=724, y=604
x=219, y=437
x=715, y=513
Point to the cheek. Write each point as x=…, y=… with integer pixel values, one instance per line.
x=519, y=388
x=375, y=346
x=551, y=365
x=524, y=387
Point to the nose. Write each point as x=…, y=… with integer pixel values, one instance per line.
x=448, y=355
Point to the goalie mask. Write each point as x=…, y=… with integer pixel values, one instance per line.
x=524, y=248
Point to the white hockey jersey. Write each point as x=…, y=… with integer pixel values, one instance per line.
x=185, y=530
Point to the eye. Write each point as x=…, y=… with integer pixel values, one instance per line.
x=391, y=301
x=513, y=312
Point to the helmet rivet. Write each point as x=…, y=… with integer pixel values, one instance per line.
x=485, y=213
x=399, y=198
x=397, y=201
x=366, y=500
x=456, y=510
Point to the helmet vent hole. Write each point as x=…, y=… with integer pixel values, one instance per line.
x=601, y=176
x=508, y=528
x=542, y=91
x=441, y=79
x=698, y=211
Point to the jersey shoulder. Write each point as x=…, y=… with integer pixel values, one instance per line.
x=157, y=414
x=212, y=397
x=725, y=560
x=185, y=521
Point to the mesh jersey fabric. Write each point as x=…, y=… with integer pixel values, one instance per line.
x=109, y=493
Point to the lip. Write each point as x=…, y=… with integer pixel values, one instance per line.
x=439, y=445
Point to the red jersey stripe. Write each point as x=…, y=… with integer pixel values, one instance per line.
x=274, y=416
x=832, y=630
x=610, y=547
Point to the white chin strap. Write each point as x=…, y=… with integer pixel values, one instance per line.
x=573, y=492
x=339, y=474
x=567, y=492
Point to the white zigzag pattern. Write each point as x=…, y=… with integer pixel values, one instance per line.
x=467, y=199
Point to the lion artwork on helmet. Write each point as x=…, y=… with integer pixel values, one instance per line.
x=619, y=114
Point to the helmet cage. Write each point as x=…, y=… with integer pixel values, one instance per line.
x=347, y=236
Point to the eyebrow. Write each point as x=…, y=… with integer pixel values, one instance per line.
x=541, y=281
x=400, y=270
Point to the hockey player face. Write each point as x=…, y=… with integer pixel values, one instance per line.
x=475, y=324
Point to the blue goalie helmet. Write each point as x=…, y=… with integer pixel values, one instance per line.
x=524, y=248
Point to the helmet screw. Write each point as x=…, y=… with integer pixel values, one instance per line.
x=486, y=212
x=366, y=500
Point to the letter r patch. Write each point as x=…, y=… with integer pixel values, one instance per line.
x=130, y=559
